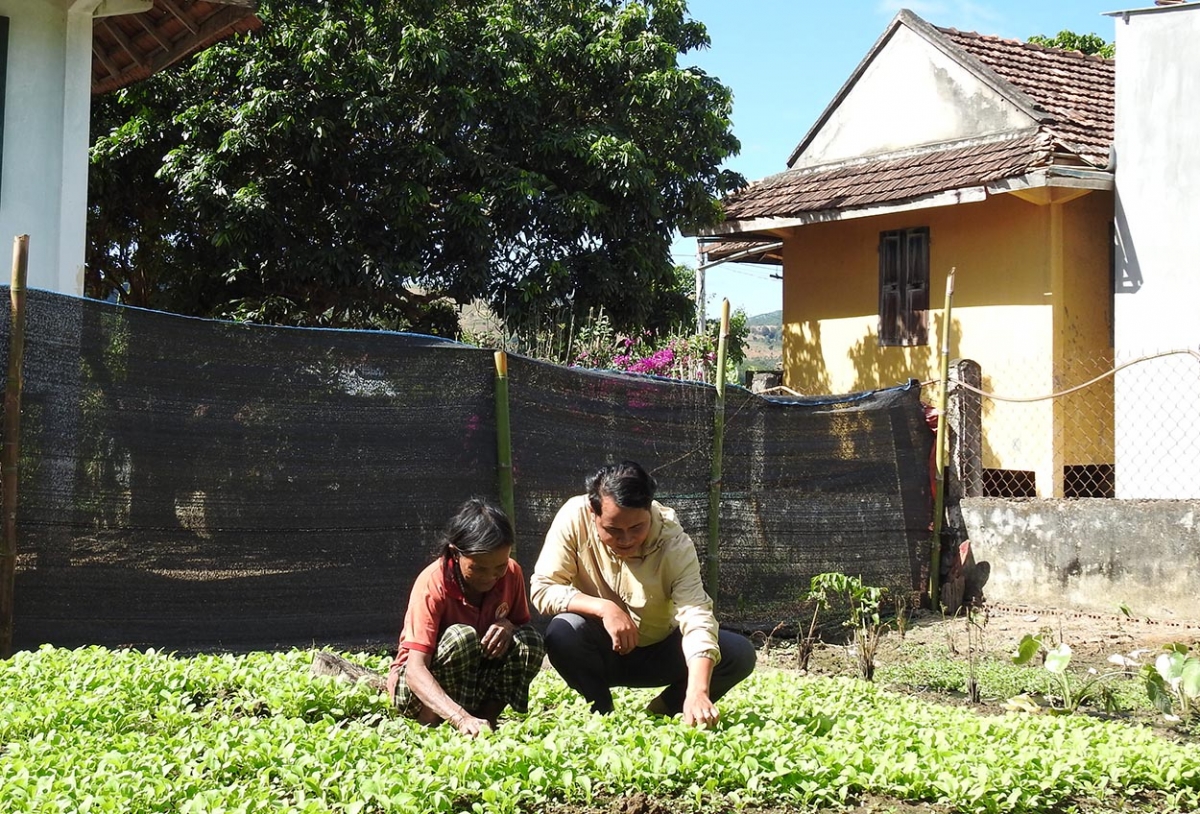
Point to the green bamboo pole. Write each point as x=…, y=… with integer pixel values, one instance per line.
x=504, y=439
x=714, y=484
x=10, y=455
x=939, y=492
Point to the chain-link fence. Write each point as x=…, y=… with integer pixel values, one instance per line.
x=1123, y=427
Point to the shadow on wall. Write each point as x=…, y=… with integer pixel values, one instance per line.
x=1126, y=270
x=803, y=361
x=876, y=366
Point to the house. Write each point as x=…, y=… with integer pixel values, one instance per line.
x=54, y=54
x=1157, y=292
x=951, y=150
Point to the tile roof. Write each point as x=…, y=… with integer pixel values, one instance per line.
x=889, y=178
x=1070, y=94
x=745, y=251
x=1077, y=90
x=127, y=48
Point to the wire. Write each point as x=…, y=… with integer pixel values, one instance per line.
x=1070, y=390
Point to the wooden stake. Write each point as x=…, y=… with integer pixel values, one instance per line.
x=714, y=483
x=504, y=439
x=11, y=452
x=939, y=495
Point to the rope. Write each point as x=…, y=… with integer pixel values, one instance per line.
x=1070, y=390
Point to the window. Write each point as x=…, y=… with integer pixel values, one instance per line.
x=904, y=287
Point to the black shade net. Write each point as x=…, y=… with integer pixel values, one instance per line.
x=191, y=484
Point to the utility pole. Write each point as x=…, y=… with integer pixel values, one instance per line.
x=700, y=321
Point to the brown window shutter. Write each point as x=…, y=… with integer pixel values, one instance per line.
x=916, y=289
x=891, y=328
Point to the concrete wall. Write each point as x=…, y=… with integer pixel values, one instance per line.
x=43, y=190
x=1157, y=296
x=1089, y=554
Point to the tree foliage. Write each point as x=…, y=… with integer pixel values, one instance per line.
x=1070, y=41
x=353, y=162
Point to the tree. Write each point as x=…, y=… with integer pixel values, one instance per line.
x=354, y=162
x=1070, y=41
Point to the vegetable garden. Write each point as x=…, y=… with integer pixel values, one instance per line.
x=98, y=730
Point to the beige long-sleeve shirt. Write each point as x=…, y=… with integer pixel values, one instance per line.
x=660, y=590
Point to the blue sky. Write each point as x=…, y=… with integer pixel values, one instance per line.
x=785, y=60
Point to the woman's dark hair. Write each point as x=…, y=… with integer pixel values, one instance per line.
x=479, y=527
x=630, y=486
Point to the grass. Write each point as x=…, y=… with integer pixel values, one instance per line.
x=97, y=730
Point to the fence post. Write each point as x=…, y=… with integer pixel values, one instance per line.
x=714, y=483
x=504, y=439
x=965, y=417
x=11, y=445
x=939, y=497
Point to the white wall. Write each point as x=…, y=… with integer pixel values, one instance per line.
x=1157, y=298
x=43, y=190
x=910, y=94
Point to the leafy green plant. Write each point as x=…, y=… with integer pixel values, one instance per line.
x=96, y=730
x=1173, y=683
x=1071, y=691
x=864, y=619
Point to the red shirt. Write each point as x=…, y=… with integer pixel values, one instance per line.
x=437, y=602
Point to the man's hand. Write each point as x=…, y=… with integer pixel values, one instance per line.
x=498, y=639
x=699, y=711
x=621, y=629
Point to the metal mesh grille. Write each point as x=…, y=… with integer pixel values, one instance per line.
x=1085, y=431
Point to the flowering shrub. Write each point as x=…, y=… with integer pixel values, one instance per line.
x=676, y=357
x=597, y=345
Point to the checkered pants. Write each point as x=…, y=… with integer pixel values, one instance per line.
x=470, y=679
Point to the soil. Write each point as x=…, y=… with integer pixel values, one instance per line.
x=1093, y=637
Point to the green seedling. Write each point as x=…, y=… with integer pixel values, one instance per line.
x=1173, y=683
x=1073, y=690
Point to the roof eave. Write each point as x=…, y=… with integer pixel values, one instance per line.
x=1065, y=177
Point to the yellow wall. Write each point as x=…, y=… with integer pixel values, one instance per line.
x=1031, y=292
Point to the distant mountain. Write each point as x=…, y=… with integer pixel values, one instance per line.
x=769, y=318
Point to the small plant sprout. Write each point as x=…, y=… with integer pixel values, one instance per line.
x=1073, y=690
x=1173, y=683
x=864, y=602
x=806, y=642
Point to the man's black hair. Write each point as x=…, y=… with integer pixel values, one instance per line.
x=630, y=486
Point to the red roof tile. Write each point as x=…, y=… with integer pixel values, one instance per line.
x=889, y=179
x=1077, y=90
x=1071, y=94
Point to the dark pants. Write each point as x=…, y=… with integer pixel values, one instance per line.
x=581, y=651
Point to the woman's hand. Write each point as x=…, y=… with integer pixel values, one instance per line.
x=469, y=725
x=498, y=639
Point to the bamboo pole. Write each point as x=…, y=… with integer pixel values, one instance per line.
x=714, y=483
x=10, y=455
x=504, y=439
x=939, y=492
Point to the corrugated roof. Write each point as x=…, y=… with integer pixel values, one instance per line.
x=889, y=178
x=129, y=47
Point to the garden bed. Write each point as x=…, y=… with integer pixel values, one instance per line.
x=99, y=730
